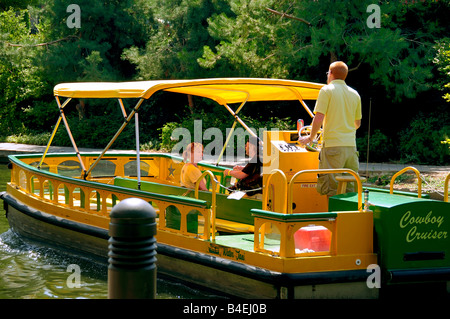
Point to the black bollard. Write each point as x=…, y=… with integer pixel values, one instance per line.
x=132, y=251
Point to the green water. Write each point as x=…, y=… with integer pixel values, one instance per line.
x=29, y=271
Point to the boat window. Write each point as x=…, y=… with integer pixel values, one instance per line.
x=22, y=180
x=104, y=168
x=173, y=217
x=48, y=190
x=130, y=168
x=79, y=198
x=272, y=237
x=192, y=221
x=70, y=169
x=35, y=185
x=95, y=201
x=312, y=238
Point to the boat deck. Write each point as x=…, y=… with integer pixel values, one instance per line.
x=245, y=242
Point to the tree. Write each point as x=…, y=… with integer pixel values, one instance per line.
x=93, y=51
x=88, y=51
x=442, y=60
x=176, y=44
x=248, y=42
x=19, y=79
x=307, y=34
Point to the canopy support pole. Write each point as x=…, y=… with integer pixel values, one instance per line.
x=300, y=98
x=123, y=109
x=50, y=141
x=226, y=142
x=236, y=119
x=122, y=127
x=138, y=157
x=69, y=132
x=307, y=108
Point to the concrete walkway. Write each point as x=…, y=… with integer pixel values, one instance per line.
x=13, y=148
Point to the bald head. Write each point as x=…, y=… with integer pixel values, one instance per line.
x=339, y=70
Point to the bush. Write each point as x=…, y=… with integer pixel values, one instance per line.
x=223, y=122
x=381, y=147
x=421, y=142
x=33, y=139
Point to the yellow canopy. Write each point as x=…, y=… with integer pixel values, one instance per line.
x=223, y=91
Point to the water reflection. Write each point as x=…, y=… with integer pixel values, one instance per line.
x=28, y=271
x=31, y=271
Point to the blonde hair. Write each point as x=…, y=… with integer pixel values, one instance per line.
x=190, y=150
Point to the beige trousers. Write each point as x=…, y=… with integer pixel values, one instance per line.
x=336, y=157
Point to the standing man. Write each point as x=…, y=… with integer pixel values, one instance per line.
x=338, y=108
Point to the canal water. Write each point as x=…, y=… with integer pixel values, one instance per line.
x=30, y=271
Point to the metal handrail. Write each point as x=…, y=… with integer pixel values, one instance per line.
x=419, y=179
x=326, y=171
x=213, y=201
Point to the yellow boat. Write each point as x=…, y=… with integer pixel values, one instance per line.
x=290, y=242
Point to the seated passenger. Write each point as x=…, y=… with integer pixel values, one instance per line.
x=249, y=176
x=190, y=172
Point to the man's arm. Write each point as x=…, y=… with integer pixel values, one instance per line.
x=315, y=127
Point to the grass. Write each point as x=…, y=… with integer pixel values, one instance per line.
x=432, y=183
x=32, y=139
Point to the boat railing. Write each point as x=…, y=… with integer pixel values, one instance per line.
x=419, y=179
x=287, y=190
x=313, y=234
x=325, y=171
x=283, y=229
x=214, y=183
x=97, y=199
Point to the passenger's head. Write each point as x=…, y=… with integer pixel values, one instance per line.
x=193, y=152
x=338, y=71
x=253, y=146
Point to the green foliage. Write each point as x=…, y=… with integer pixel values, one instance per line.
x=381, y=147
x=93, y=52
x=33, y=139
x=96, y=132
x=247, y=40
x=167, y=142
x=422, y=143
x=442, y=60
x=19, y=80
x=222, y=121
x=254, y=42
x=121, y=40
x=176, y=42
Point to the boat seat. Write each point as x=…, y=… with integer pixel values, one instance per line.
x=171, y=196
x=231, y=215
x=343, y=180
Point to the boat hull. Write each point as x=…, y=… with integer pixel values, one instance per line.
x=212, y=272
